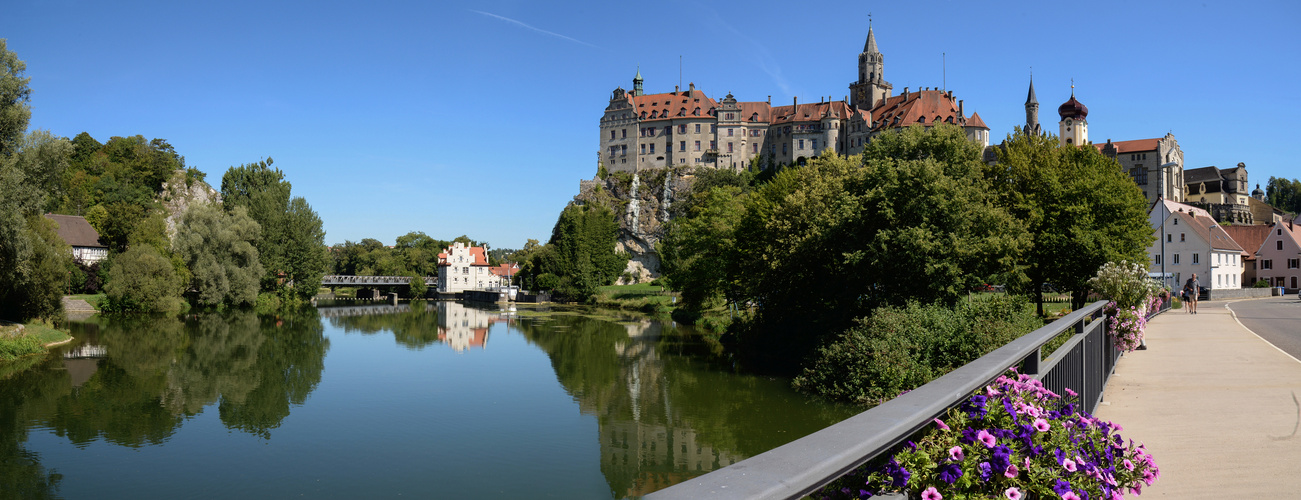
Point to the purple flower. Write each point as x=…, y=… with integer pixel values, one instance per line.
x=955, y=453
x=1069, y=465
x=940, y=424
x=1128, y=465
x=932, y=494
x=1070, y=495
x=986, y=438
x=986, y=471
x=1061, y=487
x=1012, y=494
x=950, y=473
x=1011, y=471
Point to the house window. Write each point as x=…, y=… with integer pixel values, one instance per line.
x=729, y=131
x=1293, y=263
x=697, y=128
x=643, y=149
x=713, y=144
x=729, y=146
x=1181, y=237
x=1195, y=258
x=652, y=148
x=801, y=143
x=1266, y=264
x=1279, y=244
x=697, y=145
x=682, y=145
x=1156, y=259
x=612, y=135
x=1176, y=258
x=682, y=129
x=623, y=150
x=623, y=133
x=754, y=148
x=1169, y=238
x=465, y=270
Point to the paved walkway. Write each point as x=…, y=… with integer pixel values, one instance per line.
x=1219, y=408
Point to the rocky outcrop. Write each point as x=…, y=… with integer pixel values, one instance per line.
x=643, y=199
x=182, y=191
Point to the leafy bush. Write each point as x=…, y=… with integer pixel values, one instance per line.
x=900, y=348
x=1261, y=284
x=1126, y=283
x=142, y=280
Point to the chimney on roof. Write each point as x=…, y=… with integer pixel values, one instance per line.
x=770, y=99
x=905, y=93
x=797, y=105
x=960, y=113
x=675, y=90
x=693, y=86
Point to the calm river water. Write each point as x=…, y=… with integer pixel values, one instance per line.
x=442, y=400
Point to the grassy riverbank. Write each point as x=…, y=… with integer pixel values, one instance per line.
x=642, y=297
x=17, y=341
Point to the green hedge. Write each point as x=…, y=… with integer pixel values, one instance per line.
x=899, y=349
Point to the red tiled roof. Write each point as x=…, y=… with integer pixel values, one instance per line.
x=975, y=121
x=755, y=111
x=1209, y=231
x=925, y=107
x=1131, y=146
x=809, y=112
x=477, y=257
x=670, y=105
x=504, y=270
x=1250, y=238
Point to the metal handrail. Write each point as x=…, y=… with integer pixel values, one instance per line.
x=805, y=465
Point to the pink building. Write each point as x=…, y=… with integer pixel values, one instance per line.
x=1279, y=257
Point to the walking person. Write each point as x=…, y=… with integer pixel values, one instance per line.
x=1192, y=289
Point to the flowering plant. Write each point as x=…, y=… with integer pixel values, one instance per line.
x=1015, y=439
x=1126, y=326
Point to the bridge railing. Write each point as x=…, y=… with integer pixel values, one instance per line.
x=351, y=280
x=1083, y=363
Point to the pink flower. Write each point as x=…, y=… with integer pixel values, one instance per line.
x=1012, y=494
x=941, y=425
x=1128, y=465
x=987, y=438
x=933, y=494
x=1011, y=471
x=1041, y=425
x=1069, y=465
x=1070, y=495
x=956, y=454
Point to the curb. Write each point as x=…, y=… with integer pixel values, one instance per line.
x=1262, y=339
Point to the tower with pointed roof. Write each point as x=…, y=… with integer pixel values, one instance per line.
x=871, y=88
x=636, y=83
x=1032, y=112
x=1074, y=126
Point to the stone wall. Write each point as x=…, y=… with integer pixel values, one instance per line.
x=1242, y=293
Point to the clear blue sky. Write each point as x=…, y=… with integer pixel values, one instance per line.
x=481, y=118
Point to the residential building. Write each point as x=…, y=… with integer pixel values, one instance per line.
x=462, y=268
x=83, y=238
x=1195, y=243
x=1279, y=256
x=688, y=128
x=1250, y=238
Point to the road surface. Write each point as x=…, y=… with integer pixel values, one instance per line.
x=1276, y=319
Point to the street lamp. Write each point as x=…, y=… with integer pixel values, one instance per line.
x=1160, y=196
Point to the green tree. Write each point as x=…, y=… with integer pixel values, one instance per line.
x=14, y=96
x=218, y=249
x=1284, y=194
x=417, y=286
x=827, y=243
x=262, y=190
x=695, y=248
x=1081, y=211
x=583, y=255
x=43, y=157
x=142, y=280
x=305, y=259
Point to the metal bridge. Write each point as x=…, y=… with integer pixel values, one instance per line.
x=372, y=281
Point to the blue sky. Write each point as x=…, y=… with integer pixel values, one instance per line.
x=480, y=118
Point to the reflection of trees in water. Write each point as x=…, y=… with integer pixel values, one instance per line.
x=414, y=325
x=664, y=416
x=21, y=473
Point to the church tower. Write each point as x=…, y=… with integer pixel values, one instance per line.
x=871, y=88
x=636, y=83
x=1074, y=125
x=1032, y=112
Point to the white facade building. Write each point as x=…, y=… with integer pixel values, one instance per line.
x=1195, y=243
x=462, y=268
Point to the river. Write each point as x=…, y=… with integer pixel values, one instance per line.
x=439, y=400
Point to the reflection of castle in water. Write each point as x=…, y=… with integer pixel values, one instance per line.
x=466, y=327
x=656, y=448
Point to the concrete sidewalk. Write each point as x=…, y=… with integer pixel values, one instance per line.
x=1218, y=407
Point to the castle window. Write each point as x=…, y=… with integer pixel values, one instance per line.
x=729, y=147
x=754, y=148
x=643, y=149
x=682, y=129
x=643, y=115
x=612, y=135
x=697, y=128
x=713, y=144
x=696, y=112
x=815, y=144
x=729, y=131
x=801, y=143
x=652, y=148
x=623, y=150
x=697, y=143
x=682, y=145
x=713, y=129
x=623, y=133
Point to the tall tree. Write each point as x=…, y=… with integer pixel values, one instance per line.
x=262, y=190
x=218, y=249
x=14, y=96
x=1284, y=194
x=305, y=257
x=1081, y=210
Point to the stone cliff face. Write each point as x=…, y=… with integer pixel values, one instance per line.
x=642, y=200
x=179, y=193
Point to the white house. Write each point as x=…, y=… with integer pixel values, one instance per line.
x=462, y=268
x=1195, y=243
x=83, y=238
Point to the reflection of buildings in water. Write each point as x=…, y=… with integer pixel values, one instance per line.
x=650, y=452
x=82, y=362
x=465, y=327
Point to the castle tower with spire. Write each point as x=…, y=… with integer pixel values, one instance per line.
x=1074, y=126
x=1032, y=112
x=636, y=83
x=871, y=88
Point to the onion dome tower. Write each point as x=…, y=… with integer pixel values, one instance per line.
x=1074, y=126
